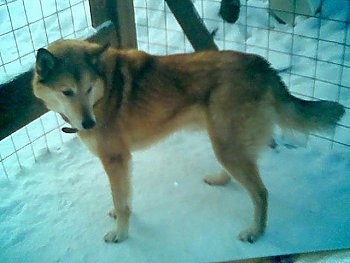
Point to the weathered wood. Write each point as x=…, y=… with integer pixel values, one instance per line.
x=121, y=13
x=18, y=105
x=188, y=18
x=99, y=11
x=125, y=21
x=106, y=33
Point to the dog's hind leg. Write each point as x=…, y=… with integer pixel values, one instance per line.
x=237, y=137
x=245, y=171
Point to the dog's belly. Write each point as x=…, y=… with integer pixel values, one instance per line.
x=141, y=134
x=192, y=118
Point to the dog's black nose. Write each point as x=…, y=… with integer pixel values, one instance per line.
x=88, y=124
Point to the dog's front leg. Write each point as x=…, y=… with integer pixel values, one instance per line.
x=117, y=169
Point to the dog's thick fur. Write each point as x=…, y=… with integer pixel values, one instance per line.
x=119, y=100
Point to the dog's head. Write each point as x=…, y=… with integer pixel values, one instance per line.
x=69, y=79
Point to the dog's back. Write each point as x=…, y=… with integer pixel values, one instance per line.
x=250, y=78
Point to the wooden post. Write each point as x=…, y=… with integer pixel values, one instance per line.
x=99, y=11
x=188, y=18
x=18, y=105
x=125, y=21
x=106, y=33
x=121, y=13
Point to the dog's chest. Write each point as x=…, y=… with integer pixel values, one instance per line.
x=90, y=142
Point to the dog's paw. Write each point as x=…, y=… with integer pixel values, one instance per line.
x=115, y=236
x=217, y=179
x=249, y=235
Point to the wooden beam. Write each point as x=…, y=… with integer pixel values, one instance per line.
x=99, y=11
x=125, y=21
x=19, y=106
x=121, y=13
x=105, y=33
x=191, y=23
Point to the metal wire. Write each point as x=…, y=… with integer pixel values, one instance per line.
x=29, y=24
x=315, y=77
x=16, y=63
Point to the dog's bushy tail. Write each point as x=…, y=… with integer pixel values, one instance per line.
x=305, y=116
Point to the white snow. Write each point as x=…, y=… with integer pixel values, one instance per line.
x=56, y=210
x=55, y=196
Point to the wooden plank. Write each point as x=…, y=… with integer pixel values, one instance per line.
x=19, y=106
x=99, y=12
x=191, y=23
x=106, y=33
x=121, y=13
x=125, y=21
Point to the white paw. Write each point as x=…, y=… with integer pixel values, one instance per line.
x=115, y=236
x=249, y=235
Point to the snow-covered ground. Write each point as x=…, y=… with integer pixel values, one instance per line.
x=54, y=207
x=56, y=210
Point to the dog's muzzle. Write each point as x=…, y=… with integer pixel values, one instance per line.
x=88, y=123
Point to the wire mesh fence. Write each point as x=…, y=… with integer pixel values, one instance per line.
x=23, y=148
x=157, y=30
x=27, y=25
x=311, y=51
x=310, y=48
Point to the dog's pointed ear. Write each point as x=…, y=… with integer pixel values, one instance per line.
x=94, y=56
x=45, y=63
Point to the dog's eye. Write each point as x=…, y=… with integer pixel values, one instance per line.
x=68, y=93
x=89, y=90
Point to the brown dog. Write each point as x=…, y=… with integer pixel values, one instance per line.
x=119, y=100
